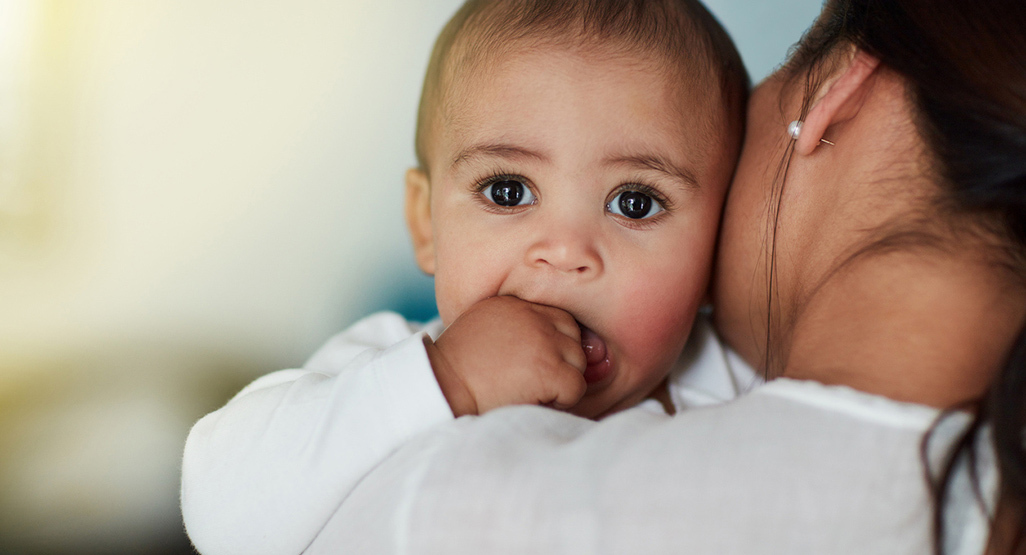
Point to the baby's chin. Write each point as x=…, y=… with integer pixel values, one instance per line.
x=596, y=410
x=604, y=401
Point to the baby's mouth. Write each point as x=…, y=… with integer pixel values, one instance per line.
x=595, y=350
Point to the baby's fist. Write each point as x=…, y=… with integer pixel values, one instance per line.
x=506, y=351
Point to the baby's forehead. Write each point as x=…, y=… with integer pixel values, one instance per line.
x=482, y=86
x=470, y=61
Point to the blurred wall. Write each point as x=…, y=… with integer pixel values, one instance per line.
x=192, y=193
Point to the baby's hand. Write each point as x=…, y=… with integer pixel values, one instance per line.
x=505, y=351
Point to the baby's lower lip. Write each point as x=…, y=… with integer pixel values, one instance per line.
x=595, y=373
x=599, y=367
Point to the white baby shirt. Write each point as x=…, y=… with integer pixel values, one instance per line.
x=267, y=472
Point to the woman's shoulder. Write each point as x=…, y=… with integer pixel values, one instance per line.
x=847, y=402
x=790, y=467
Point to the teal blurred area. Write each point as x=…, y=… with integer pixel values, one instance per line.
x=194, y=193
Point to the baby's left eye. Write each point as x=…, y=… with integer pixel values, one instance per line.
x=634, y=205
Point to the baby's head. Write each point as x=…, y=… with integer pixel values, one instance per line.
x=576, y=154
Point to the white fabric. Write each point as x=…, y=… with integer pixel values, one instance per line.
x=262, y=474
x=267, y=471
x=792, y=468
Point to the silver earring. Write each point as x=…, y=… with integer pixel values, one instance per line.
x=794, y=130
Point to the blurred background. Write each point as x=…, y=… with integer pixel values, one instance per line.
x=194, y=193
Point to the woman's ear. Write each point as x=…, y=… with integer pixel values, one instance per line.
x=839, y=101
x=418, y=219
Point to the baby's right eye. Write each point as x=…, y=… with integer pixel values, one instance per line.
x=508, y=193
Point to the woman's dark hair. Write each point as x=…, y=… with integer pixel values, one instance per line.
x=965, y=68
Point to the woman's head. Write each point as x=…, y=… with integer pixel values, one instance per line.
x=922, y=193
x=965, y=67
x=942, y=160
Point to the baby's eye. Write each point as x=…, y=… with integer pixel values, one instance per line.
x=634, y=205
x=509, y=193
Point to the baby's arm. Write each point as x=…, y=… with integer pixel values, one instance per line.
x=263, y=473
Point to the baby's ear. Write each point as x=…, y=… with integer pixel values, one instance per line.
x=418, y=219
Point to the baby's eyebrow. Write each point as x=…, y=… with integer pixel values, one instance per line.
x=659, y=164
x=495, y=151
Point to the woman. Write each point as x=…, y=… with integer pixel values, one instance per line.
x=872, y=262
x=896, y=225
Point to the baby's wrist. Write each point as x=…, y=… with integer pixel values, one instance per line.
x=455, y=390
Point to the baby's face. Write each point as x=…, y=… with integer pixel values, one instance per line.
x=588, y=183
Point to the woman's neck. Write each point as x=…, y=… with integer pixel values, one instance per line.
x=918, y=326
x=884, y=295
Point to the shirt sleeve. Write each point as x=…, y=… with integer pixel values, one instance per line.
x=265, y=472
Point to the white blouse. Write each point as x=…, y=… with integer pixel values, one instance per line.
x=793, y=467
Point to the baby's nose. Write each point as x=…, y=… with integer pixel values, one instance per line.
x=567, y=248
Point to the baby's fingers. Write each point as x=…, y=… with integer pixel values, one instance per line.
x=572, y=352
x=567, y=386
x=561, y=320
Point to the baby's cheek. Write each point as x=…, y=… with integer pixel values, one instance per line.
x=468, y=272
x=656, y=328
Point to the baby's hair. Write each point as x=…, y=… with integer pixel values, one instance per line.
x=680, y=35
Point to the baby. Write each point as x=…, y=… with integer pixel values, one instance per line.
x=573, y=161
x=572, y=170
